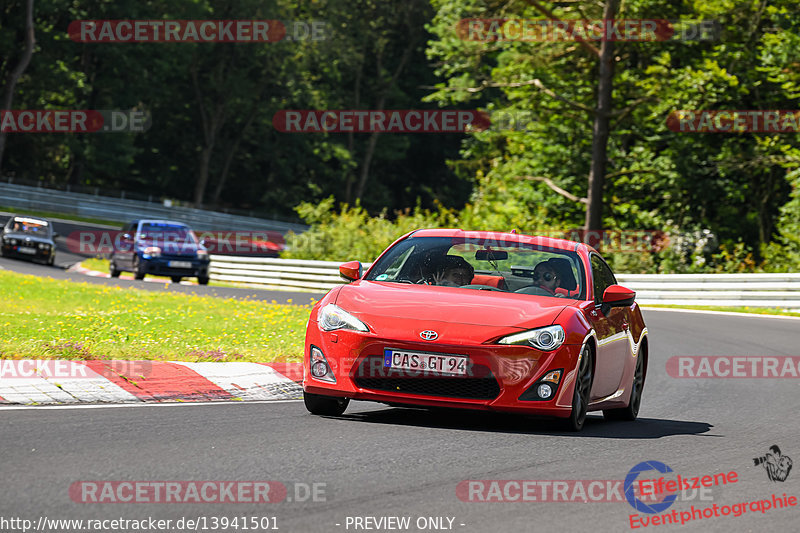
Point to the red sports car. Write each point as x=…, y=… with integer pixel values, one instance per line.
x=479, y=320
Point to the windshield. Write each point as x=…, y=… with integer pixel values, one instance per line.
x=167, y=233
x=29, y=226
x=477, y=264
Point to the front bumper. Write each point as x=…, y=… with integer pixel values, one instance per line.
x=170, y=266
x=497, y=374
x=38, y=254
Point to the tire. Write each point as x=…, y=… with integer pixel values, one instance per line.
x=52, y=260
x=137, y=271
x=202, y=280
x=176, y=279
x=324, y=405
x=583, y=387
x=112, y=269
x=630, y=412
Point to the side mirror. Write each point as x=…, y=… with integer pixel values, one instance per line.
x=617, y=296
x=351, y=271
x=56, y=235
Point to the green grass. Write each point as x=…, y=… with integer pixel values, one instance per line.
x=749, y=310
x=46, y=318
x=50, y=214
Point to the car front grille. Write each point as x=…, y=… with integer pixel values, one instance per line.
x=480, y=385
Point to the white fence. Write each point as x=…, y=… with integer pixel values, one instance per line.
x=754, y=290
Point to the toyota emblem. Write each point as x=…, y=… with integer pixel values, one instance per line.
x=429, y=335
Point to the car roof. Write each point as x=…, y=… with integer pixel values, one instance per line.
x=549, y=242
x=32, y=220
x=161, y=222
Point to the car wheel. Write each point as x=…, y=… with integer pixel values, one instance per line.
x=324, y=405
x=112, y=269
x=202, y=280
x=176, y=279
x=138, y=273
x=630, y=412
x=583, y=387
x=52, y=260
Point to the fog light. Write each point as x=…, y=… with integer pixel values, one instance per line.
x=319, y=369
x=544, y=391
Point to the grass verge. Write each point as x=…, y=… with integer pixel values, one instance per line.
x=746, y=310
x=55, y=319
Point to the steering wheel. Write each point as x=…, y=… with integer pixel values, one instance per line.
x=533, y=289
x=481, y=288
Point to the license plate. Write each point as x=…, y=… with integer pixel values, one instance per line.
x=180, y=264
x=26, y=250
x=431, y=363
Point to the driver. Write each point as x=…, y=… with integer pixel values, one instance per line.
x=454, y=271
x=545, y=277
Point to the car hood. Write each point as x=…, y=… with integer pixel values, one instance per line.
x=170, y=248
x=29, y=238
x=374, y=302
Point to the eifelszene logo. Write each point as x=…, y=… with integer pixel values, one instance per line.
x=777, y=466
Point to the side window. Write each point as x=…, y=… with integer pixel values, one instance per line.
x=602, y=277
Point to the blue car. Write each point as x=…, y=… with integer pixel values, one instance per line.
x=162, y=248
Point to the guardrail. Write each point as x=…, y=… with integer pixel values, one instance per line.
x=719, y=290
x=126, y=209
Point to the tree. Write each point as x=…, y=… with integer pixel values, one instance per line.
x=13, y=75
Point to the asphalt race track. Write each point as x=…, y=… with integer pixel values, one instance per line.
x=377, y=461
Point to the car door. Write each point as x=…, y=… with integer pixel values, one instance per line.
x=612, y=333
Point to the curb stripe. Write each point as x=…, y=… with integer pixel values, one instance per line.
x=140, y=381
x=247, y=381
x=167, y=381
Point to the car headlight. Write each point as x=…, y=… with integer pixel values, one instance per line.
x=13, y=242
x=546, y=339
x=152, y=251
x=43, y=246
x=332, y=317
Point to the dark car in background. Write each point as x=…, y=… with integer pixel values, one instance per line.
x=29, y=238
x=162, y=248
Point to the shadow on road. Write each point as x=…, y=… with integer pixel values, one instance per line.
x=596, y=427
